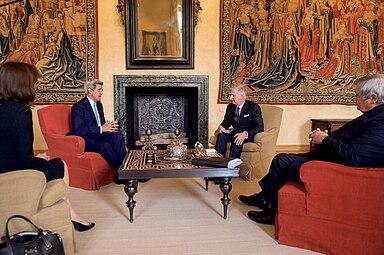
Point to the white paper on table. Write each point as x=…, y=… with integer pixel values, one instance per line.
x=234, y=163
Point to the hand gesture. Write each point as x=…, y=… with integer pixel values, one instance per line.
x=240, y=137
x=110, y=126
x=316, y=136
x=42, y=155
x=220, y=129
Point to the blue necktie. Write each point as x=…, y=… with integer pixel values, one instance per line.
x=96, y=113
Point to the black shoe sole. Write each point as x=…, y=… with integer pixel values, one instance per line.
x=261, y=217
x=252, y=203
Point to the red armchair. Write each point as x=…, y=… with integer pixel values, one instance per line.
x=87, y=170
x=338, y=210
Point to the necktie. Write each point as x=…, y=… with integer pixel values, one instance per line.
x=237, y=114
x=96, y=113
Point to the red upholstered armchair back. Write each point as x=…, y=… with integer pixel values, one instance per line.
x=87, y=170
x=336, y=210
x=55, y=119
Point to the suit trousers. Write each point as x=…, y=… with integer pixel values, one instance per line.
x=223, y=139
x=111, y=146
x=284, y=168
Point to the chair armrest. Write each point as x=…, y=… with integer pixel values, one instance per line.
x=344, y=194
x=55, y=190
x=213, y=139
x=62, y=144
x=266, y=137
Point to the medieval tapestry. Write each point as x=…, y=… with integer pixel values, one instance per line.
x=300, y=52
x=56, y=36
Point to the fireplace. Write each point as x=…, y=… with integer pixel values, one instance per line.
x=163, y=102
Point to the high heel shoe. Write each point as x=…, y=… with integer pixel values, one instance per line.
x=81, y=227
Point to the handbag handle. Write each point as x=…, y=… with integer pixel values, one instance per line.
x=21, y=217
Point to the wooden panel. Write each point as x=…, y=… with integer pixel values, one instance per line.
x=328, y=124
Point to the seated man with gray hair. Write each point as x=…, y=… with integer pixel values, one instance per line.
x=359, y=143
x=100, y=135
x=244, y=117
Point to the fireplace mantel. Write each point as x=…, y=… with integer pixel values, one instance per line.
x=124, y=84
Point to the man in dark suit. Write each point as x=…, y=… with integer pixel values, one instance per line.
x=100, y=135
x=244, y=117
x=358, y=143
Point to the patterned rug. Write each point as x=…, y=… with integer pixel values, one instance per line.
x=294, y=52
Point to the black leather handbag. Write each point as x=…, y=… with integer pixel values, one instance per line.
x=38, y=242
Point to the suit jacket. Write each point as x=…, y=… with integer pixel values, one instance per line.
x=16, y=136
x=358, y=143
x=84, y=122
x=250, y=119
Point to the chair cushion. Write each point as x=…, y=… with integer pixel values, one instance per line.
x=292, y=199
x=55, y=190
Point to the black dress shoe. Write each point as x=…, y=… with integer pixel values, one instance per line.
x=81, y=227
x=254, y=200
x=265, y=217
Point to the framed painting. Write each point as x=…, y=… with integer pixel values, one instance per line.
x=300, y=52
x=154, y=44
x=58, y=37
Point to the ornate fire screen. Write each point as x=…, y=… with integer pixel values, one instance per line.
x=163, y=102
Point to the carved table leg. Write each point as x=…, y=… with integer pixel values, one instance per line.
x=225, y=187
x=206, y=183
x=130, y=189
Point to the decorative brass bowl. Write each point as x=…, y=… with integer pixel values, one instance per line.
x=177, y=150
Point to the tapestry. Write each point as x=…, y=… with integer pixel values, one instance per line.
x=56, y=36
x=300, y=52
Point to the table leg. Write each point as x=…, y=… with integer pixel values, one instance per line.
x=206, y=179
x=225, y=187
x=130, y=189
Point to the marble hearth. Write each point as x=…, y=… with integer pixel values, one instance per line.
x=163, y=102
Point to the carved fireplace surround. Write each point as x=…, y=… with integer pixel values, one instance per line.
x=164, y=101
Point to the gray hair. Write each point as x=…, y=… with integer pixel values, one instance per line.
x=371, y=85
x=240, y=90
x=91, y=85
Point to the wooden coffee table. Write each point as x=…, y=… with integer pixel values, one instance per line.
x=140, y=164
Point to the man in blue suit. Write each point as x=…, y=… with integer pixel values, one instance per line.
x=100, y=135
x=244, y=117
x=359, y=143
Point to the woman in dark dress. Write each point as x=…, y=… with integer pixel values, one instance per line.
x=17, y=92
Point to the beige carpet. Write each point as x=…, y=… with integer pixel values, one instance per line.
x=173, y=216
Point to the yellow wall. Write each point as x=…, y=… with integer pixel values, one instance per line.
x=296, y=118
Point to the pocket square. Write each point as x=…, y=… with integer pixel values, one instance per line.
x=246, y=115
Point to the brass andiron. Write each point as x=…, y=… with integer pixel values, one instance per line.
x=177, y=131
x=148, y=144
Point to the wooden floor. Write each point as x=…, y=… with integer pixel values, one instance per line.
x=173, y=216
